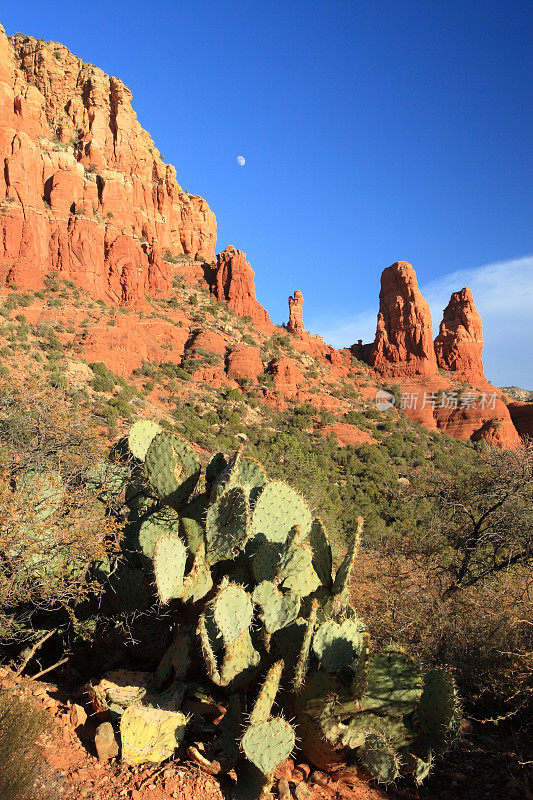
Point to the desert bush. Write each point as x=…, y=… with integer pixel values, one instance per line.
x=455, y=573
x=51, y=524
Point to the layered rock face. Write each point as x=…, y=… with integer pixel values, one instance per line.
x=84, y=192
x=522, y=416
x=296, y=322
x=459, y=345
x=233, y=281
x=404, y=337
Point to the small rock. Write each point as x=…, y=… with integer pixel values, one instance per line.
x=78, y=715
x=284, y=793
x=105, y=742
x=285, y=769
x=318, y=778
x=305, y=769
x=302, y=791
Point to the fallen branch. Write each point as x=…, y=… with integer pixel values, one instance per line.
x=33, y=651
x=49, y=669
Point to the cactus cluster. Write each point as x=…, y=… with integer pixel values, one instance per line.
x=262, y=620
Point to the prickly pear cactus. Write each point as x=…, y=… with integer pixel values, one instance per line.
x=172, y=469
x=141, y=435
x=150, y=734
x=246, y=575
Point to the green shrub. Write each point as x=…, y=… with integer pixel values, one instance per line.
x=167, y=256
x=103, y=384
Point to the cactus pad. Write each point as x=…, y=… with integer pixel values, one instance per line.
x=303, y=658
x=277, y=510
x=162, y=523
x=379, y=758
x=277, y=609
x=267, y=694
x=150, y=734
x=438, y=712
x=216, y=466
x=172, y=469
x=232, y=611
x=295, y=570
x=240, y=662
x=394, y=684
x=170, y=556
x=337, y=644
x=192, y=517
x=141, y=435
x=269, y=743
x=199, y=581
x=342, y=578
x=227, y=525
x=322, y=556
x=361, y=725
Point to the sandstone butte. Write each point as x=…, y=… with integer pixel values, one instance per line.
x=86, y=194
x=459, y=345
x=404, y=334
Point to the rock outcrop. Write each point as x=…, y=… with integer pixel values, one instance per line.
x=403, y=346
x=459, y=345
x=244, y=362
x=84, y=191
x=233, y=281
x=296, y=322
x=287, y=376
x=522, y=416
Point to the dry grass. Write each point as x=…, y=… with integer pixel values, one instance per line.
x=23, y=726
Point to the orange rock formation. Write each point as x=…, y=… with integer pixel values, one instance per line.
x=296, y=322
x=84, y=192
x=234, y=283
x=459, y=344
x=404, y=335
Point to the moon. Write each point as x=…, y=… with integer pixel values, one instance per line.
x=241, y=161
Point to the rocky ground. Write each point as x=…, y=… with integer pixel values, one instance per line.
x=486, y=765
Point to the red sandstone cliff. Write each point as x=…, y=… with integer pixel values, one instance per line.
x=459, y=345
x=84, y=192
x=404, y=337
x=233, y=282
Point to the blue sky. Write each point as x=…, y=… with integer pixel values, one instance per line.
x=373, y=132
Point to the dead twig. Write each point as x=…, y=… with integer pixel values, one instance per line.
x=33, y=650
x=49, y=669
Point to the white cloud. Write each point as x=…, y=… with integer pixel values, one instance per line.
x=503, y=294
